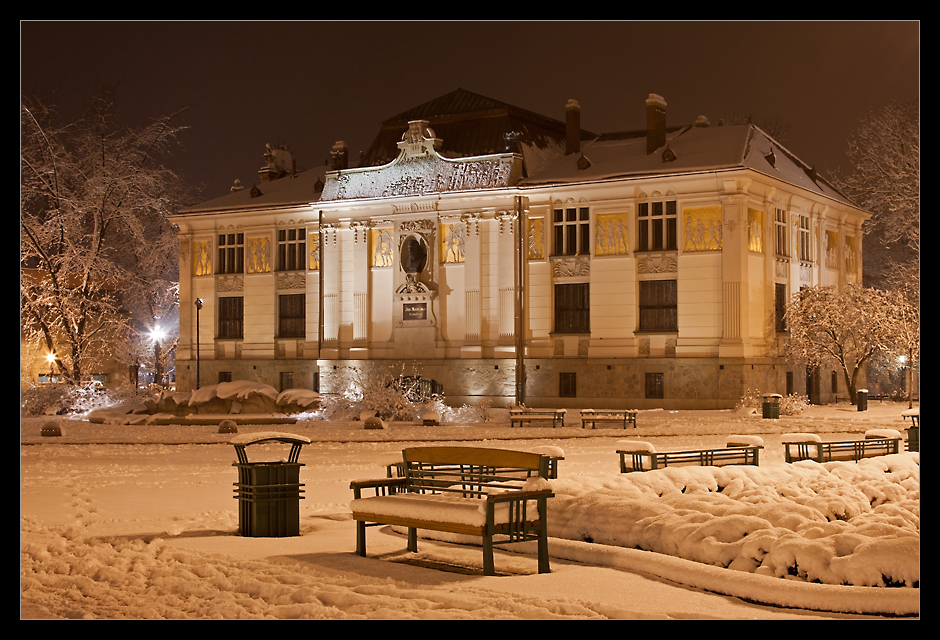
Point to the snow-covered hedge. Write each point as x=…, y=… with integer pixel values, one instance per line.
x=834, y=523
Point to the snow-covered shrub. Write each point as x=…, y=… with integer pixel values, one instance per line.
x=750, y=400
x=793, y=404
x=387, y=392
x=74, y=399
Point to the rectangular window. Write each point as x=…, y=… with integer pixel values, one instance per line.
x=225, y=376
x=655, y=386
x=292, y=315
x=805, y=244
x=572, y=231
x=287, y=380
x=656, y=226
x=231, y=317
x=659, y=308
x=231, y=253
x=568, y=385
x=291, y=249
x=781, y=235
x=780, y=306
x=573, y=308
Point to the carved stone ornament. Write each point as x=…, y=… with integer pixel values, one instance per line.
x=657, y=263
x=419, y=170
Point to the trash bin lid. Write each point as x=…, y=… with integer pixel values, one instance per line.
x=243, y=440
x=772, y=395
x=267, y=436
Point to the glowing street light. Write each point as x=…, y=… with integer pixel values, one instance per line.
x=157, y=334
x=50, y=358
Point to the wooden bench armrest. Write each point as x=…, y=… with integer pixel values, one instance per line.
x=379, y=483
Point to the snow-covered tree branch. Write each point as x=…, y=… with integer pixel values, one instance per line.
x=846, y=329
x=98, y=255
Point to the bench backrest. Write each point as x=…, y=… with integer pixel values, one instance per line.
x=469, y=471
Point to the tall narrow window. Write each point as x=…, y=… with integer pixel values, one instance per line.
x=571, y=229
x=231, y=253
x=292, y=316
x=656, y=226
x=805, y=244
x=231, y=317
x=781, y=235
x=659, y=305
x=780, y=306
x=291, y=249
x=573, y=308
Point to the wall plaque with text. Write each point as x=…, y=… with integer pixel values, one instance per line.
x=415, y=311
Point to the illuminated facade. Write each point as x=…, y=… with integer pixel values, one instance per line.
x=532, y=261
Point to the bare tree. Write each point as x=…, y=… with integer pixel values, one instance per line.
x=846, y=328
x=95, y=243
x=885, y=178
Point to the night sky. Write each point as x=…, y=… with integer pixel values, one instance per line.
x=309, y=84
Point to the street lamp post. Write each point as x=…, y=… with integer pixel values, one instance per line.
x=198, y=309
x=51, y=359
x=157, y=334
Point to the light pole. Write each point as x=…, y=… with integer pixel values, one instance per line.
x=50, y=357
x=157, y=334
x=198, y=309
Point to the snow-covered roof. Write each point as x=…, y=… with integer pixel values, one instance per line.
x=612, y=156
x=689, y=149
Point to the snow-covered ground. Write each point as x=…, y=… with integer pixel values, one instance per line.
x=141, y=522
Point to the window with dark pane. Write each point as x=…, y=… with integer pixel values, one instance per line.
x=291, y=249
x=571, y=231
x=659, y=305
x=655, y=386
x=231, y=253
x=231, y=317
x=292, y=317
x=657, y=224
x=568, y=385
x=573, y=308
x=780, y=306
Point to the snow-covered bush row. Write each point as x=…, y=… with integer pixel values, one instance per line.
x=60, y=399
x=237, y=397
x=833, y=523
x=790, y=405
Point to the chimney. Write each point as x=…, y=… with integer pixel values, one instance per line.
x=655, y=123
x=572, y=127
x=340, y=154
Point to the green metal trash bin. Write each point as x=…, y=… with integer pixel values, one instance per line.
x=772, y=405
x=268, y=493
x=861, y=398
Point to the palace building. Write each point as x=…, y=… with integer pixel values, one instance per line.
x=500, y=254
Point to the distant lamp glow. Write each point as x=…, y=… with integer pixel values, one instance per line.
x=50, y=358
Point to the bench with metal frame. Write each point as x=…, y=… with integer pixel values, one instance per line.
x=496, y=494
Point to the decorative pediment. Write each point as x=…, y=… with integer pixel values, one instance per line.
x=420, y=170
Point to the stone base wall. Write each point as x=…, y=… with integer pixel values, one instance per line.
x=687, y=383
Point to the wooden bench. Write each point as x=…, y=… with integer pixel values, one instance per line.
x=396, y=469
x=846, y=450
x=557, y=416
x=646, y=458
x=496, y=494
x=593, y=416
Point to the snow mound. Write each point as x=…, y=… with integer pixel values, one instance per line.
x=830, y=523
